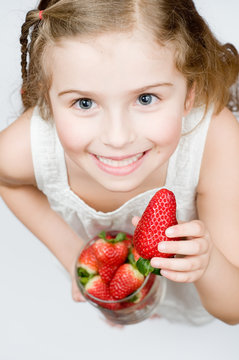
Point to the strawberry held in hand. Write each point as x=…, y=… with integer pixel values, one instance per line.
x=157, y=217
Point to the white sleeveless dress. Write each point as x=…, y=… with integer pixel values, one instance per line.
x=181, y=302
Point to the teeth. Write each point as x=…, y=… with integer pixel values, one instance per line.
x=119, y=163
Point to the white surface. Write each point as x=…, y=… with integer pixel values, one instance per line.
x=38, y=319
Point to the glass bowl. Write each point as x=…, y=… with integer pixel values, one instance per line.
x=132, y=309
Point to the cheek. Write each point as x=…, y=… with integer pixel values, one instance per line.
x=74, y=138
x=166, y=132
x=74, y=134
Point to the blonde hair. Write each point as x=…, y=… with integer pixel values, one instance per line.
x=211, y=66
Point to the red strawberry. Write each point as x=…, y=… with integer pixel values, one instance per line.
x=133, y=256
x=111, y=251
x=87, y=262
x=100, y=290
x=129, y=240
x=157, y=217
x=135, y=253
x=144, y=291
x=126, y=280
x=140, y=295
x=107, y=272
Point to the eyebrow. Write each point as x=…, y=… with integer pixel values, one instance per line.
x=90, y=93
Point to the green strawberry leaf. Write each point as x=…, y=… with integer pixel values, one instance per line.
x=131, y=259
x=145, y=268
x=156, y=272
x=84, y=280
x=120, y=237
x=82, y=272
x=133, y=299
x=102, y=235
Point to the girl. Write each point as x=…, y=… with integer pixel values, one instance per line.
x=120, y=99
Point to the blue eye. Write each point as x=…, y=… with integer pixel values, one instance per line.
x=147, y=99
x=84, y=104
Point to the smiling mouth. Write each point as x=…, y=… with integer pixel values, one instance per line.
x=120, y=165
x=121, y=162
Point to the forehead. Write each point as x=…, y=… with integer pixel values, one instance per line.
x=116, y=58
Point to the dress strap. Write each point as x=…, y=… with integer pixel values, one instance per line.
x=185, y=163
x=45, y=153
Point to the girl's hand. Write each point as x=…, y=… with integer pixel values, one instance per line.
x=78, y=297
x=192, y=253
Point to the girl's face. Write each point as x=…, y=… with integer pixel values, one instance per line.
x=117, y=102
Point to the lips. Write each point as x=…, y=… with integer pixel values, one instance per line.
x=120, y=162
x=122, y=165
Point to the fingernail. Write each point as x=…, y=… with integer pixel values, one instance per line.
x=169, y=231
x=161, y=246
x=155, y=263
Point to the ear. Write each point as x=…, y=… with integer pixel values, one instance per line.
x=189, y=101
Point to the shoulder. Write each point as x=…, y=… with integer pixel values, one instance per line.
x=221, y=151
x=16, y=166
x=223, y=125
x=218, y=188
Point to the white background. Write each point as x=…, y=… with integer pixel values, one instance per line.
x=38, y=319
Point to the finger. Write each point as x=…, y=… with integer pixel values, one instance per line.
x=135, y=220
x=77, y=297
x=193, y=228
x=187, y=263
x=182, y=277
x=184, y=247
x=155, y=316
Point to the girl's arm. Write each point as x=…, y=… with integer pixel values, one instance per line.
x=209, y=254
x=31, y=207
x=218, y=208
x=33, y=210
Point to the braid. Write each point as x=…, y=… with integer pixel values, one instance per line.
x=30, y=20
x=24, y=49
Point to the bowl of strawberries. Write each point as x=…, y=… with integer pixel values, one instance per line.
x=108, y=277
x=114, y=271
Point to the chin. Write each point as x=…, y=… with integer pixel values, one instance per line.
x=118, y=187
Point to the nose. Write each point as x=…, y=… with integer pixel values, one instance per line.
x=117, y=130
